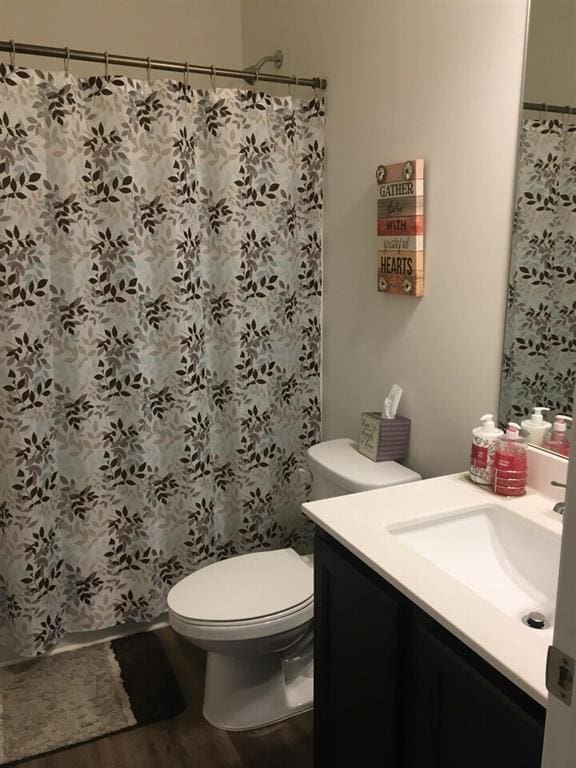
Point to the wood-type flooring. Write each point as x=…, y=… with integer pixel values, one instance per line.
x=188, y=741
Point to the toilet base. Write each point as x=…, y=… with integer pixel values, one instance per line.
x=242, y=693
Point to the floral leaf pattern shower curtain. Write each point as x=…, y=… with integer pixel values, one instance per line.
x=539, y=366
x=160, y=257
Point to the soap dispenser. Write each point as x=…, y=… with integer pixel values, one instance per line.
x=482, y=455
x=510, y=463
x=556, y=438
x=534, y=429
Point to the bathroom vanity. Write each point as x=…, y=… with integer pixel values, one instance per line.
x=394, y=688
x=421, y=655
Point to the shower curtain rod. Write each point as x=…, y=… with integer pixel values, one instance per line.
x=549, y=108
x=71, y=54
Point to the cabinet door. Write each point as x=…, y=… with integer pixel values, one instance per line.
x=355, y=668
x=459, y=711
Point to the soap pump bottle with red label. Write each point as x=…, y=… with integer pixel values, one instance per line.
x=556, y=438
x=482, y=454
x=510, y=463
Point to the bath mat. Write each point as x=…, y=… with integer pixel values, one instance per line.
x=60, y=701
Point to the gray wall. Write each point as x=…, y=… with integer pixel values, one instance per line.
x=439, y=80
x=551, y=60
x=202, y=31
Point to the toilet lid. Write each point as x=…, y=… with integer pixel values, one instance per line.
x=245, y=587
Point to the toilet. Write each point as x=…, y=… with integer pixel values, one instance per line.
x=253, y=613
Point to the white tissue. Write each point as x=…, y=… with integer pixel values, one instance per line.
x=391, y=402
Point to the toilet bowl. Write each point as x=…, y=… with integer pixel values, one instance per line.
x=253, y=613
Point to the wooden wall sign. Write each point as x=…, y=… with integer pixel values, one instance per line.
x=401, y=228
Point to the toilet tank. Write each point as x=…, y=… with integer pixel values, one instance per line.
x=338, y=468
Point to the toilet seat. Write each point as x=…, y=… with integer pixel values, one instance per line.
x=244, y=597
x=245, y=630
x=248, y=622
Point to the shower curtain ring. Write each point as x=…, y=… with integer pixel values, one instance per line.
x=148, y=69
x=105, y=63
x=257, y=81
x=295, y=83
x=185, y=76
x=213, y=77
x=12, y=54
x=67, y=61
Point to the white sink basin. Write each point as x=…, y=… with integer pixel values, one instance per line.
x=509, y=561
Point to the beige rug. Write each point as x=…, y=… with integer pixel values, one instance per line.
x=58, y=701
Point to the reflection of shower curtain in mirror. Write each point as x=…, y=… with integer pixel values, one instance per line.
x=540, y=344
x=160, y=320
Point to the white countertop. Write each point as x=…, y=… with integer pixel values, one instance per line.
x=514, y=649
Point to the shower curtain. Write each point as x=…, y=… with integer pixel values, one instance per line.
x=160, y=257
x=539, y=365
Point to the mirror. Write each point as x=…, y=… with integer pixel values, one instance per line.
x=539, y=360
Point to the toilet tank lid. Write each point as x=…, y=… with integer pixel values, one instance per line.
x=244, y=587
x=340, y=462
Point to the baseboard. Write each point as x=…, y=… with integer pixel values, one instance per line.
x=76, y=640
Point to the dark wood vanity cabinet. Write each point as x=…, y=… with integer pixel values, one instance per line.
x=394, y=689
x=355, y=669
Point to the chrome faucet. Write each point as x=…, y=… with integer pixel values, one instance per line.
x=560, y=506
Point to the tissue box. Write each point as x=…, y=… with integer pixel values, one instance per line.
x=384, y=439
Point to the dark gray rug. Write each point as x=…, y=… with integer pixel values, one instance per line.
x=54, y=702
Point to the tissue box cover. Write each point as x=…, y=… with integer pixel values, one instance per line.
x=384, y=439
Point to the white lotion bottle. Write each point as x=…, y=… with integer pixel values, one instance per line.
x=534, y=429
x=483, y=445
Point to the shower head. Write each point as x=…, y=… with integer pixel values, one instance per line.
x=277, y=58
